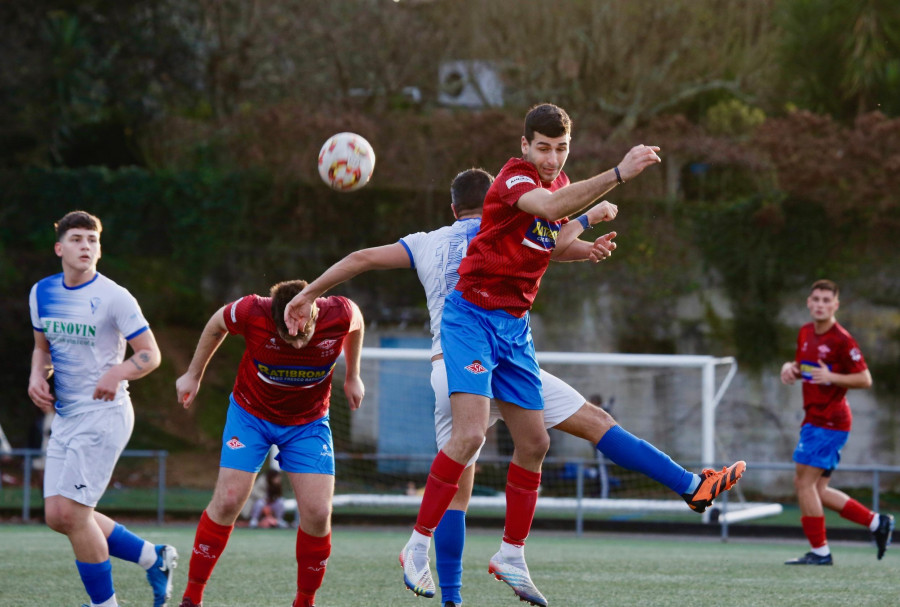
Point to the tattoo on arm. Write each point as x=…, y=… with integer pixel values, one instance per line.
x=134, y=362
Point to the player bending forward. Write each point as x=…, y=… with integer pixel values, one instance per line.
x=281, y=397
x=82, y=321
x=436, y=257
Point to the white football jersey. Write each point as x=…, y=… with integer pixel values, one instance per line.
x=436, y=257
x=87, y=327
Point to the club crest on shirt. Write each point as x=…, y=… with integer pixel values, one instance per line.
x=476, y=367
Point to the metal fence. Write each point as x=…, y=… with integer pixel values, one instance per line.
x=580, y=501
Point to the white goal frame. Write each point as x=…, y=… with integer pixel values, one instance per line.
x=711, y=395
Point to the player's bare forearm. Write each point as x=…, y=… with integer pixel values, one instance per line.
x=387, y=257
x=579, y=195
x=353, y=351
x=581, y=250
x=852, y=381
x=214, y=333
x=41, y=369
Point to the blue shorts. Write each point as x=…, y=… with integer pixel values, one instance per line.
x=246, y=441
x=490, y=352
x=820, y=447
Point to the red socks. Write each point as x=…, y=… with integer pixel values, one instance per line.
x=521, y=501
x=856, y=512
x=814, y=529
x=209, y=543
x=441, y=486
x=312, y=558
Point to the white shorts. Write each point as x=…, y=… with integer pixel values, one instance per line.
x=83, y=450
x=561, y=401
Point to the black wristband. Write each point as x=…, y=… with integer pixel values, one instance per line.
x=619, y=176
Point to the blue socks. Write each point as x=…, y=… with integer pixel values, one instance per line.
x=125, y=545
x=449, y=540
x=628, y=451
x=97, y=580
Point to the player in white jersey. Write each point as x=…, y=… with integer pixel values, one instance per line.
x=436, y=256
x=82, y=322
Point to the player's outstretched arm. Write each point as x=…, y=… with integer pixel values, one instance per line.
x=353, y=385
x=576, y=196
x=41, y=368
x=214, y=333
x=145, y=359
x=387, y=257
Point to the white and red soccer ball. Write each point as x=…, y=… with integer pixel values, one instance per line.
x=346, y=162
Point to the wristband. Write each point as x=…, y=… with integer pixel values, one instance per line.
x=618, y=176
x=585, y=223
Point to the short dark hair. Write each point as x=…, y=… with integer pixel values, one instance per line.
x=547, y=119
x=468, y=189
x=77, y=219
x=825, y=285
x=282, y=293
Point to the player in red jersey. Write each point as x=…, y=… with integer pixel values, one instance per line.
x=280, y=397
x=487, y=342
x=829, y=362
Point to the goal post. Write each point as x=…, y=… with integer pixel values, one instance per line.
x=384, y=449
x=711, y=395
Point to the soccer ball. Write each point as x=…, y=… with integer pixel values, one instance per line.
x=346, y=162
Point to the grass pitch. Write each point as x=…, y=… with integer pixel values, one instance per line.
x=258, y=569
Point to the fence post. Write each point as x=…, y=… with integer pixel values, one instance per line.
x=579, y=494
x=161, y=488
x=876, y=490
x=26, y=486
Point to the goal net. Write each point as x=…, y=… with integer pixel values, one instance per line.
x=384, y=449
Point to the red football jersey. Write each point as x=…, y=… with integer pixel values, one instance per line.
x=503, y=267
x=826, y=405
x=277, y=382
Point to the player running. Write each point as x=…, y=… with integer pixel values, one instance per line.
x=281, y=397
x=82, y=321
x=436, y=257
x=828, y=362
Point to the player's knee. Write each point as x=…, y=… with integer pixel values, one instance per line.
x=225, y=506
x=315, y=519
x=534, y=448
x=60, y=520
x=468, y=442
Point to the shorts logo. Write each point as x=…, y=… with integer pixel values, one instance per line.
x=326, y=452
x=513, y=181
x=234, y=443
x=475, y=368
x=80, y=487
